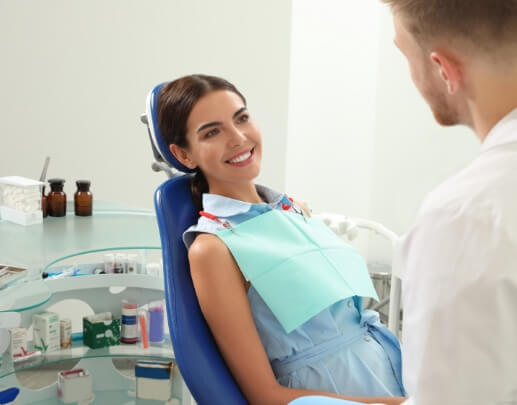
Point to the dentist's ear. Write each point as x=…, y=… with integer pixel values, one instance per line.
x=449, y=69
x=182, y=155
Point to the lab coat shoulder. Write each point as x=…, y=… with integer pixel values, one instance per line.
x=487, y=185
x=460, y=288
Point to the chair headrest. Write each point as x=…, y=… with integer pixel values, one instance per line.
x=151, y=110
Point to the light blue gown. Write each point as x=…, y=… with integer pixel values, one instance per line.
x=343, y=349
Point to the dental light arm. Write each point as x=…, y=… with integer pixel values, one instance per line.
x=349, y=227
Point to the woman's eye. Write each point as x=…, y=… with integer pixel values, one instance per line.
x=211, y=133
x=243, y=118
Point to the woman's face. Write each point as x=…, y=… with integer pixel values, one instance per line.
x=223, y=140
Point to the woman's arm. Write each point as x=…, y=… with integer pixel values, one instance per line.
x=222, y=294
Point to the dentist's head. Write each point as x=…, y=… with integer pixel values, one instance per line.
x=462, y=55
x=206, y=122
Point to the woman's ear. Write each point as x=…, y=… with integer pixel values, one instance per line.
x=182, y=155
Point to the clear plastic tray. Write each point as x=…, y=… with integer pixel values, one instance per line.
x=9, y=274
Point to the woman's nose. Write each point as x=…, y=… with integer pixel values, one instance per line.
x=237, y=137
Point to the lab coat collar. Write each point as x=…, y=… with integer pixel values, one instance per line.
x=224, y=207
x=505, y=131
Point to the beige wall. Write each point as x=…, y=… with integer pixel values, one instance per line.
x=75, y=75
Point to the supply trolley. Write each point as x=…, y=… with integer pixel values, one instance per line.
x=80, y=243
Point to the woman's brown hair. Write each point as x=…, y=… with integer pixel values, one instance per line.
x=175, y=102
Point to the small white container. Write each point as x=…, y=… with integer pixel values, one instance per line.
x=120, y=263
x=20, y=200
x=18, y=342
x=153, y=379
x=129, y=328
x=132, y=263
x=65, y=332
x=74, y=386
x=109, y=263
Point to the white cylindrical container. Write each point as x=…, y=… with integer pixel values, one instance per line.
x=129, y=329
x=132, y=263
x=109, y=263
x=120, y=263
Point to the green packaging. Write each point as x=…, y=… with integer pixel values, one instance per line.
x=101, y=330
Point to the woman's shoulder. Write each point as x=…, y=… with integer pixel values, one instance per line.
x=206, y=244
x=206, y=250
x=203, y=226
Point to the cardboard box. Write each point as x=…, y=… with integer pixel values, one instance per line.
x=153, y=379
x=18, y=341
x=46, y=331
x=74, y=386
x=101, y=330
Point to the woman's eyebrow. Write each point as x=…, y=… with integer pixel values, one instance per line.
x=239, y=111
x=215, y=123
x=207, y=125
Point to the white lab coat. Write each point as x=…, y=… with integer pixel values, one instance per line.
x=459, y=286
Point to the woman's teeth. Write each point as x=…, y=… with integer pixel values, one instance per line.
x=241, y=158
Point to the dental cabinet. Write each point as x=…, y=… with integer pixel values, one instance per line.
x=80, y=242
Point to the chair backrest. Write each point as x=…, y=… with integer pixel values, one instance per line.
x=196, y=352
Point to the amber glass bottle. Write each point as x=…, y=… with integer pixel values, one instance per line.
x=83, y=199
x=56, y=199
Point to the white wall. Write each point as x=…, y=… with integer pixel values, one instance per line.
x=360, y=139
x=332, y=104
x=412, y=154
x=362, y=142
x=75, y=75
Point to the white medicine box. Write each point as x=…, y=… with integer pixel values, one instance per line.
x=75, y=386
x=18, y=341
x=20, y=200
x=46, y=331
x=153, y=379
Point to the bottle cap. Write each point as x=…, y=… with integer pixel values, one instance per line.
x=83, y=185
x=56, y=184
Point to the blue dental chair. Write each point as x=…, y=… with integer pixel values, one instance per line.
x=196, y=353
x=198, y=358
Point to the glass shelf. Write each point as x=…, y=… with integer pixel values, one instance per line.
x=112, y=227
x=126, y=397
x=80, y=351
x=37, y=245
x=24, y=296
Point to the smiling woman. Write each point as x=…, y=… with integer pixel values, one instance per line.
x=223, y=141
x=270, y=297
x=206, y=122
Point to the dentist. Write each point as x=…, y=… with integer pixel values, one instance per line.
x=460, y=257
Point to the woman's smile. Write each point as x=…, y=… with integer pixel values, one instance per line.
x=242, y=158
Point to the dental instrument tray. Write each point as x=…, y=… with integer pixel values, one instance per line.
x=9, y=274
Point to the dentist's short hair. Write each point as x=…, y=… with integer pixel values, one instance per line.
x=485, y=24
